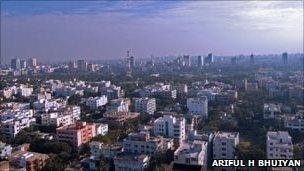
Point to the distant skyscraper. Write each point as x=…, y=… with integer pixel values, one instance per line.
x=72, y=65
x=32, y=63
x=285, y=57
x=209, y=59
x=82, y=65
x=132, y=62
x=129, y=61
x=233, y=60
x=187, y=62
x=15, y=64
x=251, y=59
x=92, y=67
x=23, y=64
x=200, y=61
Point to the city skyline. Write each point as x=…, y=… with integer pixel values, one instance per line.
x=62, y=31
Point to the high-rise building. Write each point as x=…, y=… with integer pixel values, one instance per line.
x=72, y=65
x=132, y=62
x=171, y=127
x=82, y=65
x=198, y=106
x=145, y=105
x=200, y=61
x=92, y=67
x=209, y=59
x=285, y=57
x=186, y=61
x=251, y=59
x=32, y=62
x=15, y=64
x=23, y=64
x=233, y=60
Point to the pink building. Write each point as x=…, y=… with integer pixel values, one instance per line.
x=76, y=134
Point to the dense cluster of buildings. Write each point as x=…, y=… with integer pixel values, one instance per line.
x=70, y=108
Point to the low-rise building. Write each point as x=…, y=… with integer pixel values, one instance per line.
x=198, y=106
x=99, y=149
x=25, y=91
x=31, y=161
x=119, y=105
x=143, y=143
x=271, y=110
x=119, y=118
x=279, y=145
x=102, y=129
x=295, y=122
x=5, y=150
x=131, y=162
x=224, y=144
x=111, y=91
x=11, y=128
x=192, y=153
x=62, y=117
x=96, y=102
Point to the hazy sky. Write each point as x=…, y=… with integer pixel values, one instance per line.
x=54, y=31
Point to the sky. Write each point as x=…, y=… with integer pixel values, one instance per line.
x=55, y=31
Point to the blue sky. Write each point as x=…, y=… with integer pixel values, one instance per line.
x=67, y=30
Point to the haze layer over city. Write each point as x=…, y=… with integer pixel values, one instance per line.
x=59, y=31
x=152, y=86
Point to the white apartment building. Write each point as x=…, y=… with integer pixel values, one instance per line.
x=279, y=145
x=56, y=119
x=145, y=105
x=295, y=122
x=224, y=144
x=10, y=115
x=75, y=111
x=96, y=102
x=25, y=91
x=5, y=150
x=171, y=127
x=119, y=105
x=98, y=149
x=52, y=104
x=131, y=162
x=271, y=110
x=13, y=127
x=192, y=153
x=198, y=106
x=62, y=117
x=143, y=143
x=102, y=129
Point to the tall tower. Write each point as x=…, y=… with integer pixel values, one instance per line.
x=200, y=61
x=127, y=60
x=15, y=64
x=285, y=57
x=32, y=62
x=82, y=65
x=211, y=58
x=132, y=62
x=251, y=59
x=187, y=61
x=23, y=64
